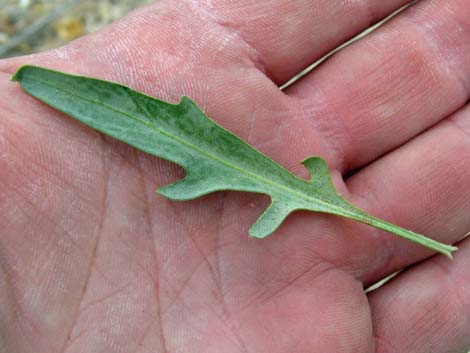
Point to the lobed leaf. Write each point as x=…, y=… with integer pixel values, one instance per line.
x=214, y=158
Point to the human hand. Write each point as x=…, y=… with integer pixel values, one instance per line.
x=91, y=260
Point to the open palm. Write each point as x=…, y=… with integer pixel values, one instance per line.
x=91, y=260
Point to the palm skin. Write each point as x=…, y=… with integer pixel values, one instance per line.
x=91, y=260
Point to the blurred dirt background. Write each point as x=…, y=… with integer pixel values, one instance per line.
x=28, y=26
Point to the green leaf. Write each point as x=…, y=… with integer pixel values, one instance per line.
x=214, y=158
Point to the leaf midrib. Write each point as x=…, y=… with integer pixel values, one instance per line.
x=211, y=156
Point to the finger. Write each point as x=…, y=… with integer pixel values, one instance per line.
x=388, y=87
x=280, y=37
x=422, y=186
x=426, y=309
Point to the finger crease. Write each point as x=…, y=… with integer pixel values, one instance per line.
x=229, y=30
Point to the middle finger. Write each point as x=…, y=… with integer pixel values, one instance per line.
x=387, y=88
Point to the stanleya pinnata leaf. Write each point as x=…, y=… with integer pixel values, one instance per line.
x=214, y=159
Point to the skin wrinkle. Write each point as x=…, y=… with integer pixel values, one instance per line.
x=238, y=343
x=99, y=232
x=430, y=320
x=12, y=291
x=219, y=231
x=462, y=27
x=441, y=61
x=227, y=29
x=226, y=314
x=146, y=331
x=407, y=84
x=178, y=295
x=217, y=294
x=173, y=59
x=382, y=346
x=104, y=298
x=458, y=167
x=419, y=55
x=179, y=291
x=154, y=253
x=204, y=261
x=366, y=10
x=72, y=340
x=45, y=216
x=456, y=125
x=190, y=308
x=462, y=304
x=446, y=270
x=129, y=162
x=311, y=109
x=32, y=160
x=291, y=282
x=335, y=150
x=263, y=298
x=26, y=331
x=56, y=226
x=252, y=119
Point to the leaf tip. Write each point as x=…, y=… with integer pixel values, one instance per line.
x=256, y=234
x=449, y=250
x=166, y=192
x=18, y=75
x=320, y=174
x=259, y=231
x=316, y=166
x=313, y=160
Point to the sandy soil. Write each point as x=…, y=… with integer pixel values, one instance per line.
x=28, y=26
